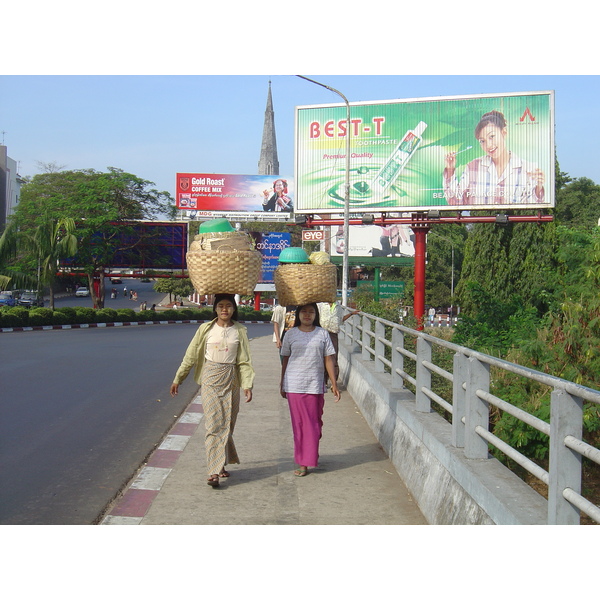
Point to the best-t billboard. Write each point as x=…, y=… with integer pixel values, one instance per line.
x=249, y=193
x=454, y=153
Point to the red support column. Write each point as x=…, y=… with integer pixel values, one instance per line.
x=256, y=300
x=420, y=232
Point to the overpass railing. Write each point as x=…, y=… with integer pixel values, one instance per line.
x=394, y=349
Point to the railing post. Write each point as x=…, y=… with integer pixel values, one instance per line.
x=379, y=347
x=397, y=358
x=366, y=339
x=477, y=410
x=422, y=402
x=566, y=418
x=459, y=374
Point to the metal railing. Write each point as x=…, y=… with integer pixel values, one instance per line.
x=385, y=343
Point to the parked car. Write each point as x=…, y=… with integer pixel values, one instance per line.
x=82, y=291
x=31, y=298
x=7, y=298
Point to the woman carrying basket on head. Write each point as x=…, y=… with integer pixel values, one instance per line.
x=305, y=348
x=220, y=356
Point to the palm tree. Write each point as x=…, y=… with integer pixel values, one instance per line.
x=51, y=241
x=8, y=251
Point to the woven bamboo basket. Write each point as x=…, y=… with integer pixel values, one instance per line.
x=237, y=240
x=224, y=271
x=299, y=283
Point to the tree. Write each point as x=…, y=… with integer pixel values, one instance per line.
x=100, y=204
x=578, y=203
x=51, y=241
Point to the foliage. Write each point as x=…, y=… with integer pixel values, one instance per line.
x=578, y=203
x=101, y=203
x=493, y=325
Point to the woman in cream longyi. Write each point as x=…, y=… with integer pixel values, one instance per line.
x=219, y=353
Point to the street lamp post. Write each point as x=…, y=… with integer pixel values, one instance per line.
x=346, y=193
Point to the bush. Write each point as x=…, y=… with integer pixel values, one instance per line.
x=106, y=315
x=40, y=316
x=69, y=313
x=169, y=315
x=15, y=316
x=126, y=314
x=85, y=315
x=61, y=318
x=147, y=315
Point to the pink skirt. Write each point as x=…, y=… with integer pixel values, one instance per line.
x=306, y=411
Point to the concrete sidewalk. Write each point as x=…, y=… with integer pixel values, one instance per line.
x=355, y=482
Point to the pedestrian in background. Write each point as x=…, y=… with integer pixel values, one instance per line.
x=219, y=353
x=283, y=319
x=305, y=348
x=331, y=317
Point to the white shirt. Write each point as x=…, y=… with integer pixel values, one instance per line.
x=222, y=344
x=305, y=372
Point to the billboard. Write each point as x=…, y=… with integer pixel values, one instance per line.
x=453, y=153
x=270, y=246
x=218, y=192
x=373, y=240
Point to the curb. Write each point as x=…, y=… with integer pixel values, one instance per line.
x=116, y=324
x=133, y=504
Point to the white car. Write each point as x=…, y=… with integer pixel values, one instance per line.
x=82, y=291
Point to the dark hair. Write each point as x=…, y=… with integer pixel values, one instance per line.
x=316, y=322
x=231, y=298
x=492, y=118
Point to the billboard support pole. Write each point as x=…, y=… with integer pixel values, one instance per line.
x=420, y=230
x=346, y=193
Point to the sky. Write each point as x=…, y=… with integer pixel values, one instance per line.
x=155, y=126
x=184, y=88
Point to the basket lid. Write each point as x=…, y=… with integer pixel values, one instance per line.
x=293, y=255
x=215, y=225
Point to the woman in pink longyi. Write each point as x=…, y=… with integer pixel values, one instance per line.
x=305, y=348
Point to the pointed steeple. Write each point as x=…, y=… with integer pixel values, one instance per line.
x=269, y=163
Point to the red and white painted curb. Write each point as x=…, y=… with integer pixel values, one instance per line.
x=133, y=505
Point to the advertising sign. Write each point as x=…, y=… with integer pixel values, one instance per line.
x=218, y=192
x=373, y=240
x=454, y=153
x=270, y=246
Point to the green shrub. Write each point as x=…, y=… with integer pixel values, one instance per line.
x=70, y=315
x=85, y=315
x=147, y=315
x=126, y=314
x=15, y=316
x=40, y=316
x=61, y=318
x=169, y=315
x=106, y=315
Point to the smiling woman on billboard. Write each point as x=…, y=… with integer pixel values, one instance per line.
x=499, y=177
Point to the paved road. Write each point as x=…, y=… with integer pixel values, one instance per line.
x=80, y=413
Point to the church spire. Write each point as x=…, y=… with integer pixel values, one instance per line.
x=269, y=163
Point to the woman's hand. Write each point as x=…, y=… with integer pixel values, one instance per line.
x=450, y=164
x=281, y=391
x=336, y=392
x=248, y=394
x=174, y=389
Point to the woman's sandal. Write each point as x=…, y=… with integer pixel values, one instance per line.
x=301, y=472
x=213, y=481
x=224, y=473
